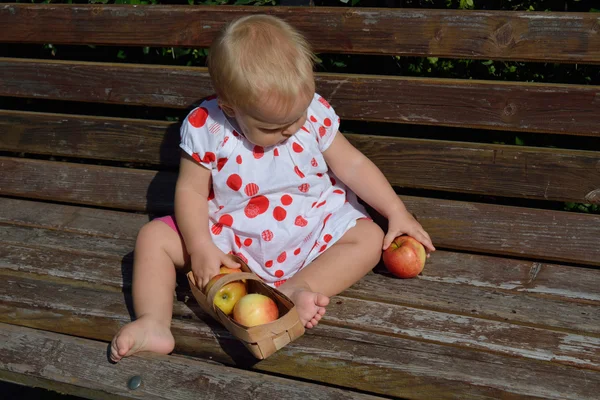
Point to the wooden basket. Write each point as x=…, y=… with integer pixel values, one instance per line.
x=261, y=340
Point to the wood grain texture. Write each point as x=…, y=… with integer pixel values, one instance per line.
x=111, y=187
x=534, y=107
x=519, y=231
x=536, y=36
x=536, y=173
x=107, y=262
x=536, y=233
x=573, y=345
x=140, y=141
x=103, y=233
x=88, y=221
x=40, y=355
x=374, y=363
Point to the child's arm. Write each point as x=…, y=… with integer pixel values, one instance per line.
x=368, y=182
x=191, y=213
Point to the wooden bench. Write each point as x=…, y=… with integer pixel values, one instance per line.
x=509, y=306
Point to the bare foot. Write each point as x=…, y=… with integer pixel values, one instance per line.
x=143, y=334
x=310, y=305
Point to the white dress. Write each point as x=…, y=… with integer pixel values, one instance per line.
x=278, y=208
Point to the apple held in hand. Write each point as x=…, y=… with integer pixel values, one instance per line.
x=255, y=309
x=227, y=270
x=405, y=257
x=227, y=297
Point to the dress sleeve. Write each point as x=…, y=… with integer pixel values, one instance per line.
x=198, y=139
x=324, y=120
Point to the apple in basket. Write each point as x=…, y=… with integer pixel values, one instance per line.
x=405, y=257
x=255, y=309
x=227, y=270
x=228, y=295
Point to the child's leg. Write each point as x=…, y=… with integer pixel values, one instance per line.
x=157, y=250
x=338, y=268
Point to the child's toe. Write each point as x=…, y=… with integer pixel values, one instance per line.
x=321, y=300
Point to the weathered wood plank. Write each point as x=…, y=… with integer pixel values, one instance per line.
x=505, y=230
x=61, y=241
x=507, y=274
x=464, y=331
x=373, y=363
x=467, y=300
x=535, y=107
x=536, y=173
x=550, y=174
x=83, y=363
x=112, y=187
x=71, y=262
x=532, y=36
x=140, y=141
x=546, y=234
x=89, y=221
x=510, y=275
x=381, y=313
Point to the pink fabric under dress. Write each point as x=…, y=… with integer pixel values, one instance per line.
x=278, y=208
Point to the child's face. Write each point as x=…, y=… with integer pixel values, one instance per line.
x=268, y=124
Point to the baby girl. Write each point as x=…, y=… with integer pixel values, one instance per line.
x=265, y=175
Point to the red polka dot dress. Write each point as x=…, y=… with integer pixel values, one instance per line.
x=277, y=207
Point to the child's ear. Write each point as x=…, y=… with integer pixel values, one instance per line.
x=226, y=108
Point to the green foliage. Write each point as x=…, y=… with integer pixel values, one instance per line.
x=585, y=208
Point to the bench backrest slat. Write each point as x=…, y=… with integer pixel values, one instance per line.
x=551, y=108
x=489, y=169
x=534, y=36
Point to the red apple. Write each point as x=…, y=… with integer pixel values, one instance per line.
x=255, y=309
x=227, y=297
x=227, y=270
x=405, y=257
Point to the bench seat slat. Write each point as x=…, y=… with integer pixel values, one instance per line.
x=535, y=36
x=80, y=366
x=534, y=107
x=420, y=309
x=536, y=173
x=45, y=243
x=381, y=364
x=80, y=230
x=545, y=234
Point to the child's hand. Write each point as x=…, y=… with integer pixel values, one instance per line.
x=404, y=223
x=207, y=261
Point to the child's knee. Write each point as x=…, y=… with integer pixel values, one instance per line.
x=153, y=234
x=372, y=240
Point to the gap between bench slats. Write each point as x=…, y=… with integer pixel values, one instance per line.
x=508, y=323
x=375, y=363
x=489, y=169
x=546, y=234
x=80, y=366
x=501, y=35
x=534, y=107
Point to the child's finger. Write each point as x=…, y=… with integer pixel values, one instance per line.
x=426, y=241
x=229, y=263
x=388, y=239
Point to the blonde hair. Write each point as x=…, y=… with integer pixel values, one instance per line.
x=258, y=56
